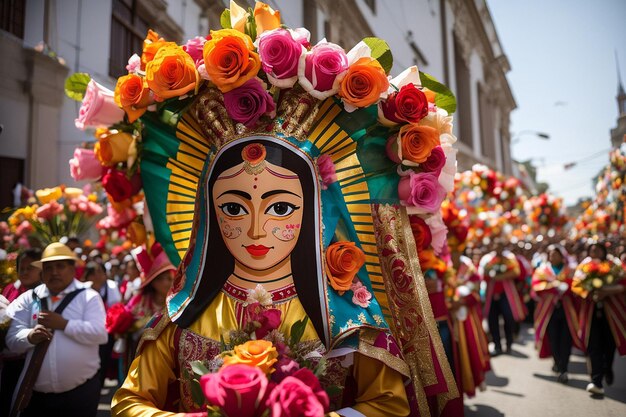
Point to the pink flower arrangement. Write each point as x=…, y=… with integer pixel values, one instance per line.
x=361, y=296
x=98, y=108
x=263, y=319
x=49, y=210
x=238, y=390
x=116, y=219
x=421, y=191
x=321, y=70
x=280, y=55
x=326, y=168
x=85, y=166
x=246, y=104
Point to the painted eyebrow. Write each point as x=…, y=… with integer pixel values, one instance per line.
x=237, y=192
x=274, y=192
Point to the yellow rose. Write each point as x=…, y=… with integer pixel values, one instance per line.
x=259, y=353
x=238, y=17
x=72, y=192
x=265, y=18
x=46, y=195
x=113, y=148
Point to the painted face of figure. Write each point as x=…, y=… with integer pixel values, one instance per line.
x=259, y=213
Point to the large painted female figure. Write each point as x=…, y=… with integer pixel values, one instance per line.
x=259, y=222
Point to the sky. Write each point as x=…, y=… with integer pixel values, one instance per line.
x=564, y=80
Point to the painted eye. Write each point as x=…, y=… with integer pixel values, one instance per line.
x=281, y=209
x=233, y=209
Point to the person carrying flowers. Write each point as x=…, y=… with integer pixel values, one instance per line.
x=279, y=176
x=599, y=280
x=556, y=314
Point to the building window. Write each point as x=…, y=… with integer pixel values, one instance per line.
x=128, y=30
x=487, y=137
x=12, y=173
x=372, y=5
x=463, y=97
x=12, y=16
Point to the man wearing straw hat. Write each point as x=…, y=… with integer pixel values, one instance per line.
x=61, y=324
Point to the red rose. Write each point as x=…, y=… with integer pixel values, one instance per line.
x=118, y=319
x=407, y=105
x=264, y=319
x=435, y=162
x=119, y=187
x=253, y=153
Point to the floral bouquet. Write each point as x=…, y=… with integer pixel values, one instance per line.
x=59, y=211
x=260, y=372
x=598, y=274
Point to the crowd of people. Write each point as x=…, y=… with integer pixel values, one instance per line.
x=117, y=294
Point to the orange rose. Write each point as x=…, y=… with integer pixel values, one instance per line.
x=229, y=59
x=417, y=142
x=171, y=73
x=364, y=83
x=136, y=233
x=428, y=260
x=113, y=148
x=133, y=95
x=343, y=261
x=151, y=45
x=430, y=95
x=265, y=17
x=259, y=353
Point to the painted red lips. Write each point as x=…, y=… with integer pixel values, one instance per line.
x=257, y=250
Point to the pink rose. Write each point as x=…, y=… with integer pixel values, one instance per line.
x=280, y=54
x=439, y=232
x=98, y=108
x=85, y=166
x=116, y=219
x=134, y=64
x=24, y=229
x=408, y=105
x=265, y=319
x=321, y=70
x=194, y=48
x=435, y=162
x=246, y=104
x=299, y=395
x=49, y=210
x=361, y=296
x=237, y=389
x=327, y=170
x=421, y=191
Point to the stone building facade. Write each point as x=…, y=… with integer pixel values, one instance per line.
x=454, y=40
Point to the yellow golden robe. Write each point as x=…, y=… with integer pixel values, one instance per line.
x=155, y=383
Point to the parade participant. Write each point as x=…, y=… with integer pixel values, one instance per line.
x=110, y=294
x=601, y=284
x=29, y=277
x=556, y=315
x=70, y=317
x=473, y=344
x=499, y=269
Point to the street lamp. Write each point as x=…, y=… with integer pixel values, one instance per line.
x=541, y=135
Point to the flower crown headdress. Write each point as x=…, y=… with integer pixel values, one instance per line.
x=382, y=147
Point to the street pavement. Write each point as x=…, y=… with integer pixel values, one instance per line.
x=522, y=385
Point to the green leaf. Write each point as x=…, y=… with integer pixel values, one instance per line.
x=251, y=25
x=380, y=52
x=333, y=390
x=320, y=369
x=297, y=330
x=225, y=19
x=444, y=98
x=196, y=392
x=198, y=368
x=76, y=85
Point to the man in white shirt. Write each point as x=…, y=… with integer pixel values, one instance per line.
x=68, y=382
